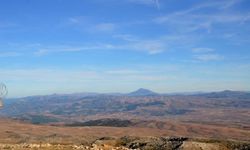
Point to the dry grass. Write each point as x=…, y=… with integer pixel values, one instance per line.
x=19, y=132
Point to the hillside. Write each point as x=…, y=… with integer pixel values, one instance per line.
x=25, y=136
x=201, y=115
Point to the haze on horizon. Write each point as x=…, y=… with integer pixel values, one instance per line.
x=63, y=46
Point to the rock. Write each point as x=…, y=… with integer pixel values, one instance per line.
x=152, y=143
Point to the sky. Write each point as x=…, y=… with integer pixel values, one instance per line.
x=68, y=46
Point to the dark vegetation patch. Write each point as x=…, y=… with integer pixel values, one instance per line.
x=39, y=119
x=103, y=122
x=168, y=112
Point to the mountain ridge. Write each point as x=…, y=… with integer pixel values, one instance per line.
x=82, y=94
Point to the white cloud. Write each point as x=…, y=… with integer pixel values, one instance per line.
x=194, y=18
x=59, y=49
x=123, y=72
x=209, y=57
x=206, y=54
x=230, y=3
x=4, y=24
x=147, y=46
x=126, y=37
x=81, y=75
x=152, y=47
x=72, y=48
x=9, y=54
x=46, y=75
x=87, y=24
x=74, y=20
x=202, y=50
x=155, y=3
x=159, y=44
x=77, y=20
x=104, y=27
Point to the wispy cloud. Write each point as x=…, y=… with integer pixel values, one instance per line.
x=158, y=44
x=72, y=48
x=147, y=46
x=105, y=27
x=47, y=75
x=202, y=50
x=123, y=72
x=56, y=76
x=77, y=20
x=152, y=47
x=126, y=43
x=155, y=3
x=9, y=54
x=138, y=75
x=194, y=18
x=206, y=54
x=209, y=57
x=126, y=37
x=89, y=25
x=6, y=24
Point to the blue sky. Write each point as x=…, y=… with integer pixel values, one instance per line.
x=66, y=46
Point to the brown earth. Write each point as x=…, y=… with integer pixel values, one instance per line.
x=12, y=131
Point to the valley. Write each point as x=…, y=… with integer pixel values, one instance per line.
x=81, y=119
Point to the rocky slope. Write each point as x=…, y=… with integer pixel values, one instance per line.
x=138, y=143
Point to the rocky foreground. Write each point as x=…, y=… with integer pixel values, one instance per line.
x=137, y=143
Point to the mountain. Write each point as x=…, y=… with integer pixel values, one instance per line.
x=227, y=94
x=142, y=92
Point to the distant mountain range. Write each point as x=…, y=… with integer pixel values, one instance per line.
x=227, y=94
x=139, y=92
x=142, y=103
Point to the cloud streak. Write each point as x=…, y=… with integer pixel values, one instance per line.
x=202, y=50
x=9, y=54
x=87, y=24
x=127, y=43
x=206, y=54
x=105, y=27
x=193, y=19
x=155, y=3
x=208, y=57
